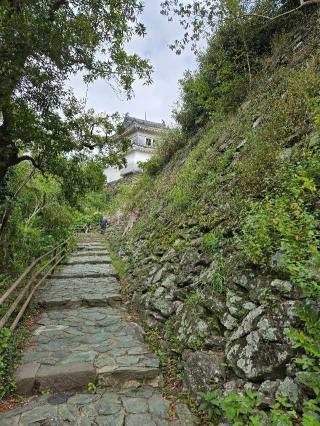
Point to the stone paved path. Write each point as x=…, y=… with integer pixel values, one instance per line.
x=138, y=407
x=84, y=335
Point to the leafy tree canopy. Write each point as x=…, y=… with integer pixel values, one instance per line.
x=42, y=43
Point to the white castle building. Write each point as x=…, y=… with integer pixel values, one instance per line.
x=143, y=135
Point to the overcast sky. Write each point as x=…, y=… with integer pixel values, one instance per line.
x=158, y=99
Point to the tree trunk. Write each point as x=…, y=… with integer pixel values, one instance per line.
x=8, y=157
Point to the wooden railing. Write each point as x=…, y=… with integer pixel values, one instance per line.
x=33, y=277
x=30, y=280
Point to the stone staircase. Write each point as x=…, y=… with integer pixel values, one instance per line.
x=85, y=336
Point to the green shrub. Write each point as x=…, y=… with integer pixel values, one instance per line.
x=246, y=409
x=240, y=410
x=213, y=240
x=6, y=384
x=153, y=166
x=10, y=345
x=170, y=142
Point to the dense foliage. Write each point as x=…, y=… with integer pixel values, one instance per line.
x=45, y=210
x=233, y=56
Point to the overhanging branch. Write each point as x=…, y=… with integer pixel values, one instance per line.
x=35, y=164
x=8, y=209
x=55, y=7
x=288, y=12
x=88, y=145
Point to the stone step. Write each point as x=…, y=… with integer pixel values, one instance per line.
x=73, y=292
x=90, y=253
x=140, y=407
x=101, y=253
x=89, y=247
x=91, y=242
x=71, y=347
x=87, y=270
x=79, y=259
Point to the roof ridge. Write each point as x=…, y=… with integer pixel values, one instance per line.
x=128, y=121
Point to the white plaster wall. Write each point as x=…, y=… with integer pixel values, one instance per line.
x=133, y=158
x=142, y=156
x=112, y=174
x=134, y=138
x=130, y=161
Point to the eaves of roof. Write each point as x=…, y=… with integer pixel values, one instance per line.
x=136, y=128
x=136, y=147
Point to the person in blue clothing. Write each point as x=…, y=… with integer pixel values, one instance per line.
x=103, y=224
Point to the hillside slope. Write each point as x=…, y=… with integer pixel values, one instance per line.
x=220, y=238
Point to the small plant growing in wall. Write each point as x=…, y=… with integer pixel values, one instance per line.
x=213, y=240
x=210, y=404
x=196, y=299
x=92, y=386
x=283, y=412
x=46, y=392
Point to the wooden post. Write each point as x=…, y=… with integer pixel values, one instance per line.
x=32, y=273
x=33, y=270
x=63, y=251
x=53, y=261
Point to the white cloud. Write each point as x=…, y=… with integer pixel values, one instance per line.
x=158, y=99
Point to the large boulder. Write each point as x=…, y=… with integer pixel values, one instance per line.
x=290, y=390
x=267, y=391
x=229, y=322
x=259, y=349
x=238, y=304
x=164, y=305
x=214, y=302
x=192, y=326
x=162, y=301
x=203, y=370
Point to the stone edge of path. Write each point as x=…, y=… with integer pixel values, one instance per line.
x=76, y=376
x=112, y=301
x=60, y=275
x=80, y=253
x=90, y=260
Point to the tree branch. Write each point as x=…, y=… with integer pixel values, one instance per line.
x=35, y=164
x=55, y=7
x=92, y=129
x=272, y=18
x=87, y=145
x=40, y=206
x=8, y=209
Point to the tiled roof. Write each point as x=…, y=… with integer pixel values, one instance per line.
x=137, y=122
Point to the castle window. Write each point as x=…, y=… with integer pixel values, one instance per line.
x=149, y=141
